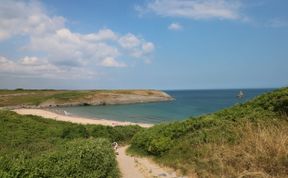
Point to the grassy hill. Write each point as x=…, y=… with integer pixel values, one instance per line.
x=32, y=146
x=247, y=140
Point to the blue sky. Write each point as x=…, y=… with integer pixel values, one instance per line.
x=157, y=44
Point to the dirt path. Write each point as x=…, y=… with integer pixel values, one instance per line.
x=135, y=167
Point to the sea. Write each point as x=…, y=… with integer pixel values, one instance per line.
x=187, y=103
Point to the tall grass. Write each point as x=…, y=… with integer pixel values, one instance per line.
x=261, y=152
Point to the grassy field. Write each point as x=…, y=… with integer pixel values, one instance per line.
x=247, y=140
x=36, y=97
x=31, y=146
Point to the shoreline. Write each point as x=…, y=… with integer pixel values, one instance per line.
x=76, y=119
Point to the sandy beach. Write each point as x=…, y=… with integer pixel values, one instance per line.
x=75, y=119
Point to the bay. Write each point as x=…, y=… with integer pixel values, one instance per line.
x=187, y=103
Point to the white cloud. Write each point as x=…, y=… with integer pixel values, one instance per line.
x=103, y=34
x=148, y=47
x=63, y=49
x=20, y=18
x=30, y=60
x=129, y=41
x=110, y=62
x=136, y=46
x=175, y=26
x=194, y=9
x=40, y=68
x=67, y=48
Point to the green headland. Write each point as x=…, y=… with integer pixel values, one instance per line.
x=21, y=98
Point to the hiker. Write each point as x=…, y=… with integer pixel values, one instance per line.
x=115, y=147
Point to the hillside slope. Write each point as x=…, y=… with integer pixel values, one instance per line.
x=32, y=146
x=53, y=98
x=247, y=140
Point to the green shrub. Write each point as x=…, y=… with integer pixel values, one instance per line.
x=281, y=106
x=32, y=146
x=78, y=158
x=275, y=101
x=77, y=131
x=118, y=133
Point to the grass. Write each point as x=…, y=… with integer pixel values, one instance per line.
x=37, y=97
x=32, y=146
x=247, y=140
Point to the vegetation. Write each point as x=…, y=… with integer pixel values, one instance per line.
x=247, y=140
x=46, y=98
x=36, y=97
x=31, y=146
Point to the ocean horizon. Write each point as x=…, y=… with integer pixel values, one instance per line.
x=187, y=103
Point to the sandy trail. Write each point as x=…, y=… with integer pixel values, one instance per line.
x=75, y=119
x=127, y=165
x=136, y=167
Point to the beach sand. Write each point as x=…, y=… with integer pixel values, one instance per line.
x=76, y=119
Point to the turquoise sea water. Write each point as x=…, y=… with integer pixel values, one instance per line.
x=187, y=103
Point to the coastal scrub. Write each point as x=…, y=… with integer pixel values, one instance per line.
x=246, y=140
x=31, y=146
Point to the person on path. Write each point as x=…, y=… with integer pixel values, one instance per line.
x=115, y=147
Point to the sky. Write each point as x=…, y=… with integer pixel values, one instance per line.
x=149, y=44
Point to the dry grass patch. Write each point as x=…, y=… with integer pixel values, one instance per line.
x=262, y=152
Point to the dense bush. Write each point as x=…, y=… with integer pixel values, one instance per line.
x=276, y=101
x=78, y=158
x=31, y=146
x=117, y=133
x=161, y=138
x=75, y=131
